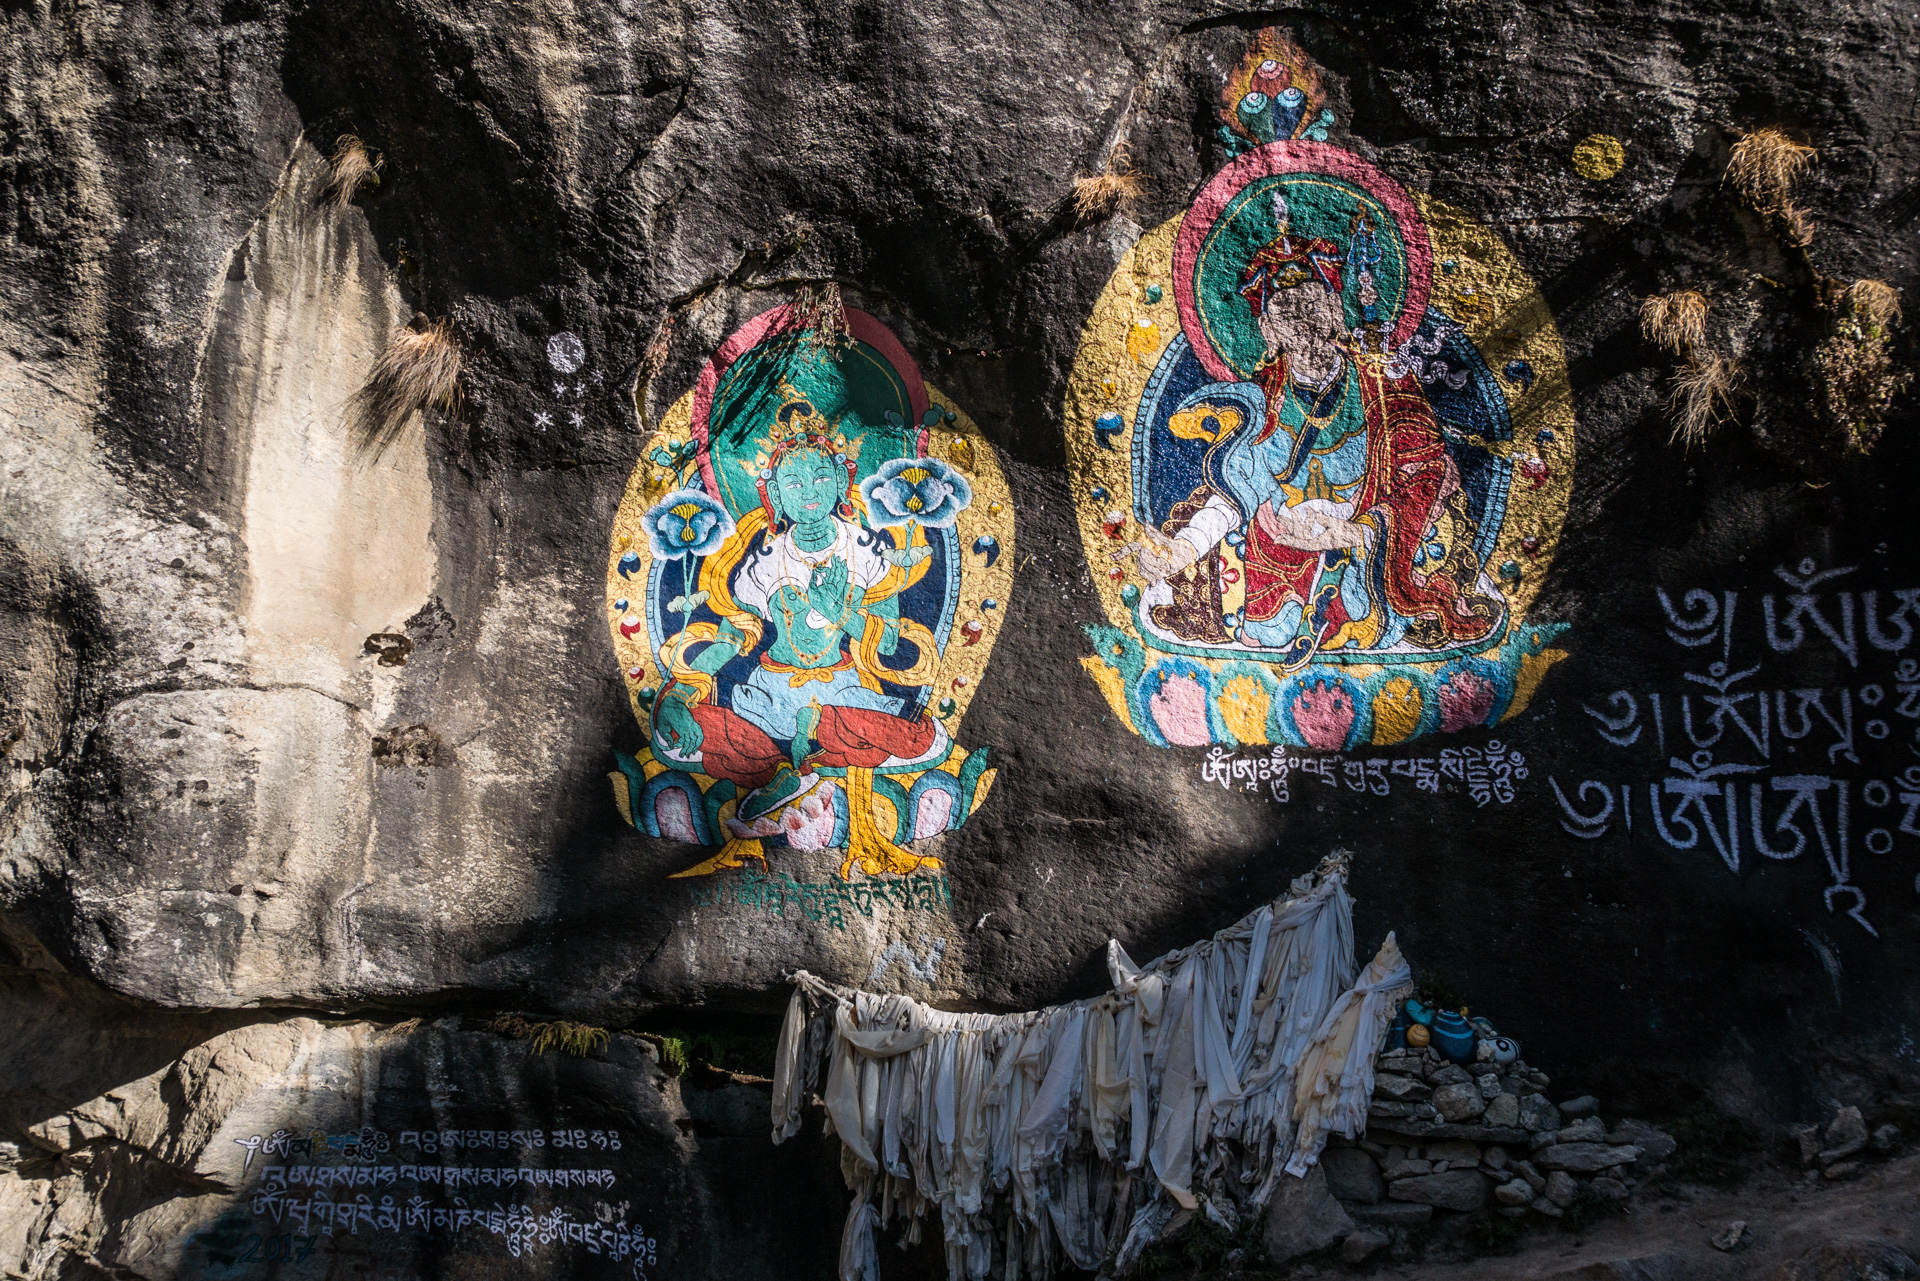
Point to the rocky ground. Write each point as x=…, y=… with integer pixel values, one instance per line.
x=1866, y=1229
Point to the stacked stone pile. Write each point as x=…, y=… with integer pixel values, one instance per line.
x=1452, y=1137
x=1840, y=1149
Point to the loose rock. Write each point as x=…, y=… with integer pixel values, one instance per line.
x=1731, y=1239
x=1538, y=1114
x=1502, y=1110
x=1406, y=1169
x=1459, y=1101
x=1561, y=1189
x=1585, y=1105
x=1584, y=1158
x=1654, y=1144
x=1453, y=1152
x=1303, y=1217
x=1399, y=1089
x=1589, y=1130
x=1453, y=1190
x=1846, y=1134
x=1352, y=1175
x=1515, y=1193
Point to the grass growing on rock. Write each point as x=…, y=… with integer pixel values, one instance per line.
x=1115, y=190
x=1764, y=169
x=1854, y=366
x=1675, y=322
x=577, y=1039
x=349, y=168
x=420, y=369
x=1702, y=397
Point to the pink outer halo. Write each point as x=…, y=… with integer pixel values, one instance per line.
x=1297, y=157
x=771, y=323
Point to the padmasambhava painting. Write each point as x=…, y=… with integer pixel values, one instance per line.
x=805, y=583
x=1316, y=515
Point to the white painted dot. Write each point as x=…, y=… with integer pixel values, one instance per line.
x=565, y=352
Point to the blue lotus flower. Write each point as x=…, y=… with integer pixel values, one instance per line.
x=687, y=522
x=924, y=491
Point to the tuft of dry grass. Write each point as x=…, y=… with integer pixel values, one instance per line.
x=1675, y=322
x=1702, y=395
x=1874, y=301
x=1114, y=191
x=1765, y=167
x=820, y=313
x=420, y=369
x=351, y=167
x=405, y=1028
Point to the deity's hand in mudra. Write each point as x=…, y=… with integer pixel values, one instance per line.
x=827, y=591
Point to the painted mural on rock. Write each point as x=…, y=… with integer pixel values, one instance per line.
x=1321, y=442
x=806, y=579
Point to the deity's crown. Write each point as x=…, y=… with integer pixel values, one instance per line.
x=797, y=426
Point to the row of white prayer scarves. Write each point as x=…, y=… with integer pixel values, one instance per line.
x=1077, y=1132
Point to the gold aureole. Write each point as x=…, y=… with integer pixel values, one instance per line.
x=1507, y=319
x=1515, y=324
x=1599, y=156
x=959, y=669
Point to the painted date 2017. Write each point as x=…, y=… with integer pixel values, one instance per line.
x=287, y=1247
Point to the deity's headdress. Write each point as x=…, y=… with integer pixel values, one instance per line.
x=800, y=428
x=1288, y=261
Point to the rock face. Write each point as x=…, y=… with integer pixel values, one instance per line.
x=294, y=723
x=156, y=1145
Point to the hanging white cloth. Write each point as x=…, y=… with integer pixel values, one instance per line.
x=1206, y=1071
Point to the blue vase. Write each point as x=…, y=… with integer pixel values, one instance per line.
x=1453, y=1036
x=1417, y=1012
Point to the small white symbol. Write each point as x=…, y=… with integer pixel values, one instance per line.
x=599, y=378
x=565, y=352
x=579, y=390
x=922, y=970
x=559, y=389
x=573, y=417
x=542, y=419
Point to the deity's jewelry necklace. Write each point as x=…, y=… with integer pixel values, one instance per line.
x=1317, y=421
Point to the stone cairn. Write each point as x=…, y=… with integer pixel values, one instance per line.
x=1456, y=1137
